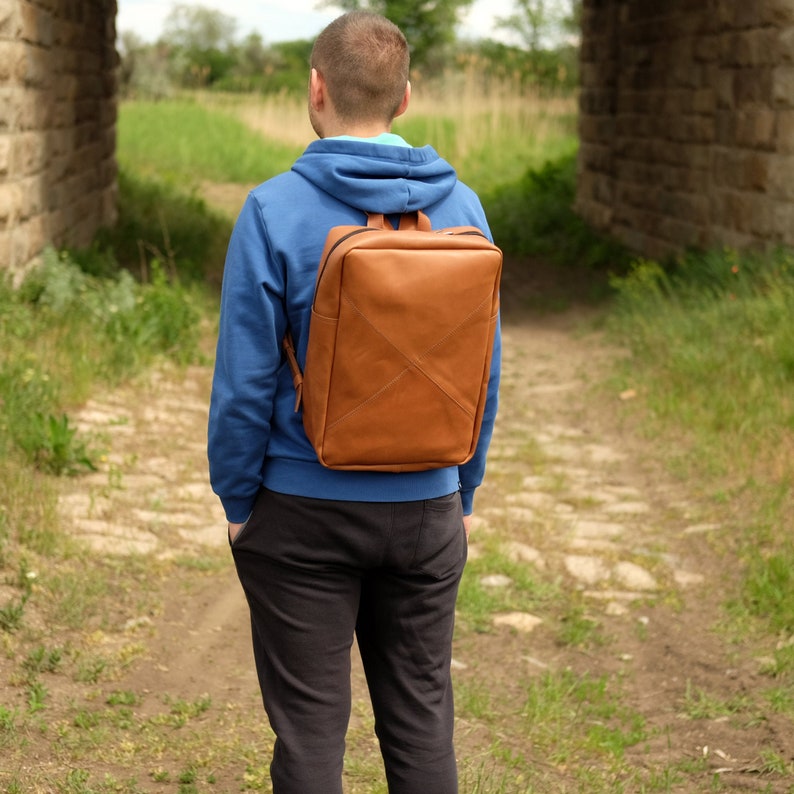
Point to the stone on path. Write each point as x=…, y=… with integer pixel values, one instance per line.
x=496, y=580
x=634, y=576
x=520, y=552
x=520, y=621
x=590, y=570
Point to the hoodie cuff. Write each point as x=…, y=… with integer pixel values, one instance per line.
x=467, y=500
x=238, y=511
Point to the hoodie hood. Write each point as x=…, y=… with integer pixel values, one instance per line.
x=374, y=177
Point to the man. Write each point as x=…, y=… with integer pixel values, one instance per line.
x=327, y=555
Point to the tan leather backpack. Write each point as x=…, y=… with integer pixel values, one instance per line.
x=400, y=343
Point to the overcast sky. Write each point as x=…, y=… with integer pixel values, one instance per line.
x=284, y=20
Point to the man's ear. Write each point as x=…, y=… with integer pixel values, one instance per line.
x=406, y=99
x=316, y=90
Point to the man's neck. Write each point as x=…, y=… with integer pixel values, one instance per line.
x=356, y=130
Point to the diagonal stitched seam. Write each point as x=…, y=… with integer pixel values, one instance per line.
x=411, y=364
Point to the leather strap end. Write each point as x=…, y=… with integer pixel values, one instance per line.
x=298, y=395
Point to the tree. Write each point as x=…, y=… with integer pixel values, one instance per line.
x=196, y=27
x=429, y=26
x=542, y=24
x=202, y=40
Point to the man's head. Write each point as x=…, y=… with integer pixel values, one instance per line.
x=362, y=61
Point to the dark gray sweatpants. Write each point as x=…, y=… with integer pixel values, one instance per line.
x=315, y=572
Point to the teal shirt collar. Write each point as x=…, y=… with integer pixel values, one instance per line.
x=388, y=138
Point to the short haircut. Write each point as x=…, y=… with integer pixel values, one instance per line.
x=364, y=60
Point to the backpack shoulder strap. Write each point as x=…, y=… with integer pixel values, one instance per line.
x=409, y=221
x=294, y=368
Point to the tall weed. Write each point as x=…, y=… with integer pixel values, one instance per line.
x=711, y=338
x=713, y=344
x=489, y=131
x=61, y=332
x=159, y=223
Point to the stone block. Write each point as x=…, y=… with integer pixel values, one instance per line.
x=704, y=100
x=9, y=21
x=776, y=12
x=750, y=48
x=35, y=69
x=5, y=155
x=736, y=16
x=675, y=101
x=685, y=179
x=736, y=211
x=783, y=86
x=595, y=158
x=5, y=249
x=725, y=170
x=630, y=125
x=694, y=155
x=640, y=173
x=762, y=217
x=637, y=149
x=723, y=85
x=589, y=128
x=781, y=177
x=755, y=171
x=784, y=222
x=590, y=75
x=689, y=207
x=743, y=170
x=28, y=153
x=686, y=74
x=731, y=238
x=785, y=132
x=681, y=234
x=9, y=203
x=756, y=128
x=785, y=45
x=725, y=127
x=707, y=48
x=753, y=86
x=13, y=62
x=35, y=238
x=36, y=25
x=693, y=129
x=635, y=195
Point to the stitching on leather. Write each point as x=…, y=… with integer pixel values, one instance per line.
x=412, y=365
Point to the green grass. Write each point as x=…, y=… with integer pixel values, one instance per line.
x=711, y=341
x=479, y=601
x=63, y=331
x=181, y=143
x=718, y=334
x=160, y=225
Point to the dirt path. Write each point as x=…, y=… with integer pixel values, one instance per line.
x=573, y=495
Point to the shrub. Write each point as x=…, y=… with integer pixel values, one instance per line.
x=535, y=217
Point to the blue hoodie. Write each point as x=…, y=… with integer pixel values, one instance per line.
x=255, y=437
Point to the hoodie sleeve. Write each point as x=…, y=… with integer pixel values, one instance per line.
x=252, y=324
x=471, y=474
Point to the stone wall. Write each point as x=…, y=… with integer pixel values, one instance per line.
x=58, y=67
x=687, y=122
